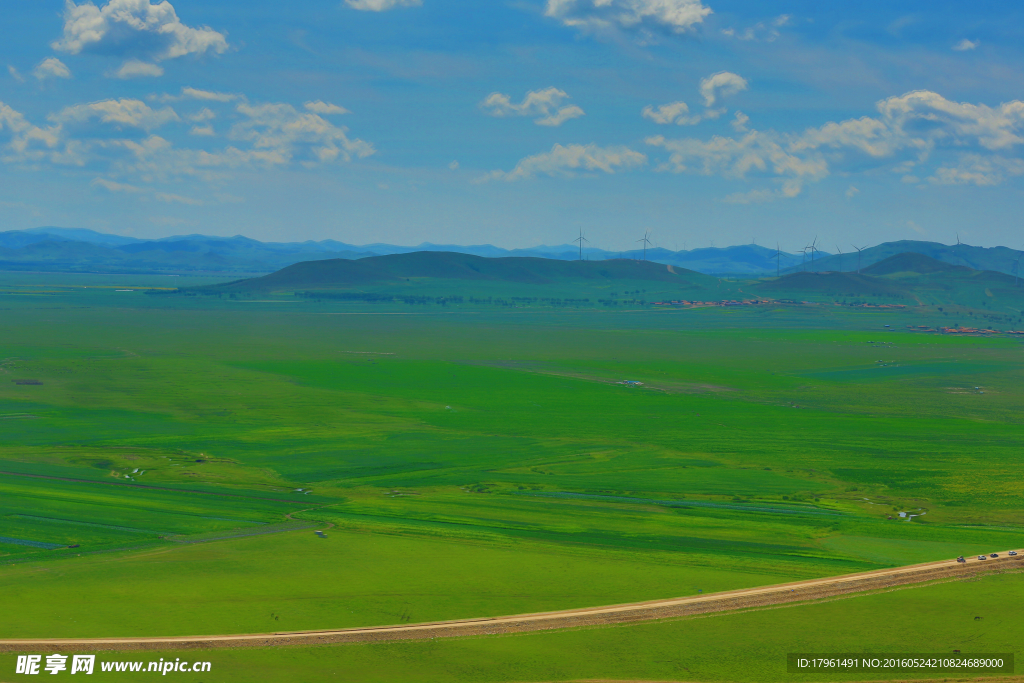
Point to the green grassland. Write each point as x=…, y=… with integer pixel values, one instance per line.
x=739, y=646
x=479, y=459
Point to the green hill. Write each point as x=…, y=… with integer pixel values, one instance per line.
x=911, y=262
x=841, y=284
x=999, y=259
x=433, y=265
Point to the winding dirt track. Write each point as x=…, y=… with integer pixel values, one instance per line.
x=745, y=598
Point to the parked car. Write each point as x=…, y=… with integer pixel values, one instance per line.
x=994, y=555
x=1013, y=552
x=982, y=557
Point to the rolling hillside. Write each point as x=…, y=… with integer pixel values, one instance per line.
x=837, y=284
x=998, y=259
x=396, y=268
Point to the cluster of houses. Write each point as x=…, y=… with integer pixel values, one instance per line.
x=975, y=330
x=727, y=302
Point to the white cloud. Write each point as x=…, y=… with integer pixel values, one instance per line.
x=568, y=160
x=740, y=121
x=721, y=84
x=27, y=140
x=766, y=31
x=852, y=192
x=974, y=169
x=454, y=165
x=197, y=94
x=735, y=158
x=561, y=116
x=176, y=199
x=14, y=74
x=673, y=112
x=134, y=68
x=601, y=16
x=104, y=138
x=381, y=5
x=134, y=28
x=965, y=45
x=51, y=67
x=114, y=186
x=204, y=114
x=286, y=134
x=321, y=107
x=134, y=113
x=789, y=189
x=545, y=104
x=915, y=124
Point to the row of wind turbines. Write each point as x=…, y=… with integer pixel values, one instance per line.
x=811, y=248
x=645, y=240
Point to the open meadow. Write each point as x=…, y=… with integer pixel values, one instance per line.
x=165, y=459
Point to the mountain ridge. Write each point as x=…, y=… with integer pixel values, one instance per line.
x=84, y=250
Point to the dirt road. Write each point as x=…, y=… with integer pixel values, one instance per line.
x=777, y=594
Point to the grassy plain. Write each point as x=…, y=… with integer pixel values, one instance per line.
x=739, y=646
x=482, y=460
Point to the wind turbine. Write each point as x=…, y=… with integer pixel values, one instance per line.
x=581, y=239
x=1016, y=268
x=814, y=249
x=778, y=257
x=645, y=241
x=840, y=258
x=859, y=249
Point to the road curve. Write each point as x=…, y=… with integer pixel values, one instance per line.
x=762, y=596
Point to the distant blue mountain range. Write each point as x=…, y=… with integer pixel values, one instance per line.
x=82, y=250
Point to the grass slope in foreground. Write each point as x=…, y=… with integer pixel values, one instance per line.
x=732, y=646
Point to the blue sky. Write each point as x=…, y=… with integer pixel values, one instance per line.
x=516, y=123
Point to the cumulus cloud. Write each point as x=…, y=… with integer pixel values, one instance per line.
x=673, y=112
x=321, y=107
x=125, y=112
x=197, y=94
x=144, y=192
x=134, y=68
x=766, y=31
x=204, y=114
x=381, y=5
x=740, y=121
x=134, y=28
x=545, y=104
x=965, y=45
x=14, y=74
x=915, y=124
x=51, y=68
x=454, y=165
x=568, y=160
x=118, y=139
x=114, y=186
x=974, y=169
x=788, y=190
x=721, y=84
x=601, y=16
x=852, y=192
x=285, y=133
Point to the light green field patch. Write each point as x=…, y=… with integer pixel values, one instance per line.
x=899, y=552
